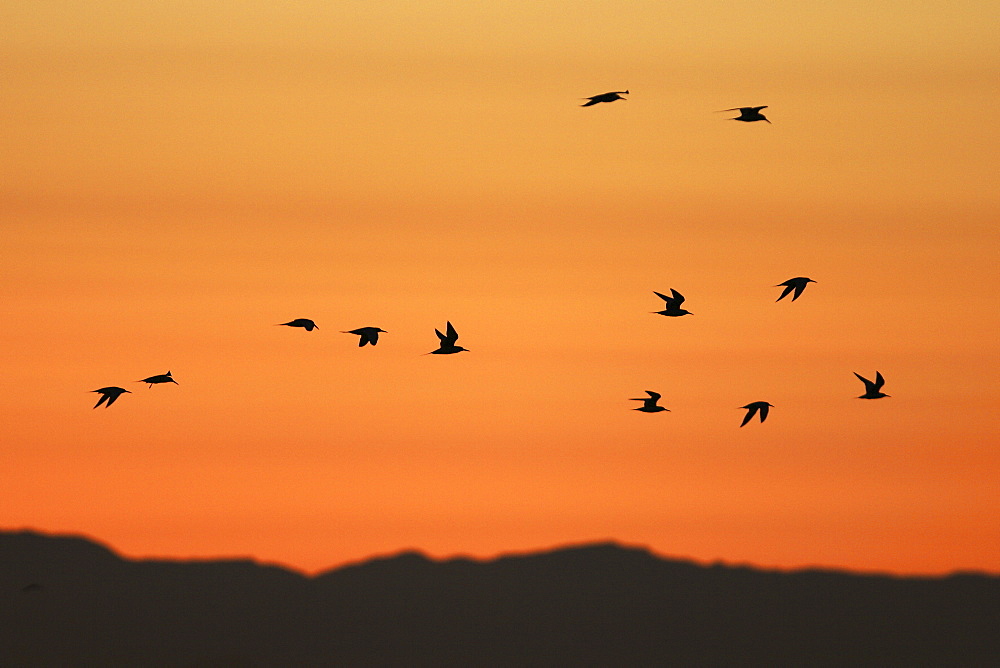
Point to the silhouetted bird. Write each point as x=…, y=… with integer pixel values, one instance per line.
x=673, y=304
x=649, y=403
x=748, y=114
x=872, y=390
x=109, y=394
x=752, y=410
x=605, y=97
x=301, y=322
x=162, y=378
x=367, y=334
x=448, y=340
x=797, y=284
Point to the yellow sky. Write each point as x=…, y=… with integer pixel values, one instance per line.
x=179, y=177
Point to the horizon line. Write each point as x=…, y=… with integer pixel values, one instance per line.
x=504, y=554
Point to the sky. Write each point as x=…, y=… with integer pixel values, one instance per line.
x=179, y=177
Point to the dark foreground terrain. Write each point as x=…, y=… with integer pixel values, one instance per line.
x=67, y=601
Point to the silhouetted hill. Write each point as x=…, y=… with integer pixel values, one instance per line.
x=67, y=601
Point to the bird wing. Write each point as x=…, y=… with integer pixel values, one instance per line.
x=452, y=334
x=879, y=381
x=440, y=335
x=605, y=97
x=750, y=413
x=653, y=396
x=784, y=293
x=678, y=298
x=868, y=383
x=663, y=297
x=753, y=109
x=799, y=287
x=372, y=337
x=763, y=412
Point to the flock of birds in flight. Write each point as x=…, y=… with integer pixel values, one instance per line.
x=794, y=287
x=672, y=308
x=747, y=114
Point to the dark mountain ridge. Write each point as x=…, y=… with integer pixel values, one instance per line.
x=68, y=601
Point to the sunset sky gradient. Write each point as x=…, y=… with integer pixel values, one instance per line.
x=180, y=176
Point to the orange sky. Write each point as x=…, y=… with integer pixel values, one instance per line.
x=179, y=178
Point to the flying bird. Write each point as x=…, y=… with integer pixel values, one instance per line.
x=161, y=378
x=753, y=408
x=673, y=304
x=649, y=403
x=748, y=114
x=109, y=394
x=447, y=346
x=308, y=324
x=872, y=390
x=798, y=284
x=605, y=97
x=367, y=334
